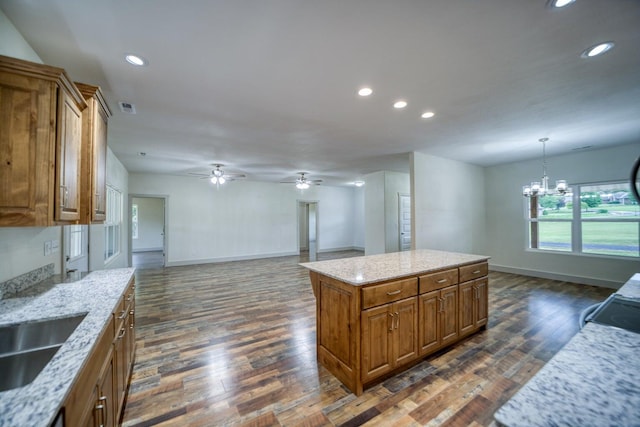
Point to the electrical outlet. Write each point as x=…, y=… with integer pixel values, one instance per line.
x=47, y=248
x=55, y=246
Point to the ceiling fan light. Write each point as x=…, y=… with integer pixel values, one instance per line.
x=221, y=180
x=214, y=179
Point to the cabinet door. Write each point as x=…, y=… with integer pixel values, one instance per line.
x=99, y=169
x=91, y=416
x=449, y=315
x=405, y=333
x=428, y=322
x=68, y=146
x=106, y=409
x=27, y=141
x=377, y=326
x=482, y=301
x=120, y=366
x=468, y=304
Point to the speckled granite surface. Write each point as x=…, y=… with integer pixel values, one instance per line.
x=36, y=404
x=17, y=284
x=631, y=289
x=376, y=268
x=593, y=381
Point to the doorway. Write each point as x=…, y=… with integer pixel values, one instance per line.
x=404, y=221
x=308, y=229
x=147, y=231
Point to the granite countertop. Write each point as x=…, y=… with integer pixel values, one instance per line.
x=593, y=381
x=37, y=403
x=376, y=268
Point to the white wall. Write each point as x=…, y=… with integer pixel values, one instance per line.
x=394, y=183
x=374, y=226
x=13, y=44
x=150, y=224
x=243, y=219
x=358, y=218
x=446, y=214
x=507, y=228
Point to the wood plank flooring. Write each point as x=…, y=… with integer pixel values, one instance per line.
x=233, y=344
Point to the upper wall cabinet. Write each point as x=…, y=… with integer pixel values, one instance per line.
x=40, y=145
x=93, y=199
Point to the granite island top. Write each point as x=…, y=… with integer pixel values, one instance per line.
x=37, y=403
x=367, y=269
x=594, y=380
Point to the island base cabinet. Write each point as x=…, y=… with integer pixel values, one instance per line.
x=438, y=324
x=389, y=335
x=474, y=305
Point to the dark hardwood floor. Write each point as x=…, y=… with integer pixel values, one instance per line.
x=234, y=344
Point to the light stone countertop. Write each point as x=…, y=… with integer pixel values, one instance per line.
x=377, y=268
x=593, y=381
x=37, y=403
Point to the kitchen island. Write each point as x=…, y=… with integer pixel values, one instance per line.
x=66, y=381
x=594, y=380
x=377, y=315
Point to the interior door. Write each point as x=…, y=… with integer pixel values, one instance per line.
x=75, y=248
x=404, y=221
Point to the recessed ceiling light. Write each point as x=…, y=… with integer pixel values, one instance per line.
x=560, y=3
x=598, y=49
x=365, y=91
x=358, y=183
x=135, y=60
x=428, y=114
x=400, y=104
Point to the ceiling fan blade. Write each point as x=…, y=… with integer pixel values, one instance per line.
x=205, y=175
x=234, y=175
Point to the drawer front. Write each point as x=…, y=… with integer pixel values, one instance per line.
x=438, y=280
x=473, y=271
x=389, y=292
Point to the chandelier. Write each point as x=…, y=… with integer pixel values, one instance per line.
x=541, y=188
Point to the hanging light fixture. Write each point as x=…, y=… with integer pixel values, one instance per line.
x=541, y=188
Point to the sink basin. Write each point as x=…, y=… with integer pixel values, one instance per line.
x=19, y=369
x=26, y=348
x=32, y=335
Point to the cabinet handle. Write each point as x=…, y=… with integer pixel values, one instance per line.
x=123, y=331
x=129, y=297
x=441, y=305
x=441, y=281
x=397, y=319
x=122, y=314
x=101, y=409
x=131, y=314
x=394, y=292
x=476, y=272
x=97, y=208
x=391, y=327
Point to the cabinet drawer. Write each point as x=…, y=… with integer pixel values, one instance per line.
x=389, y=292
x=473, y=271
x=432, y=281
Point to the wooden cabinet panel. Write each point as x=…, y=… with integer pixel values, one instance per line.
x=482, y=298
x=449, y=325
x=438, y=319
x=474, y=301
x=389, y=292
x=438, y=280
x=94, y=155
x=389, y=337
x=40, y=112
x=473, y=271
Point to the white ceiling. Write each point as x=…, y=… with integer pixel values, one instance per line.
x=268, y=88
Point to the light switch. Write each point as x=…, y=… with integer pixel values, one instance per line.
x=55, y=246
x=47, y=248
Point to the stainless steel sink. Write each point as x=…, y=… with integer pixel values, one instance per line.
x=26, y=348
x=32, y=335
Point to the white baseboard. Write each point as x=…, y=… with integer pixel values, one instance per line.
x=227, y=259
x=347, y=248
x=556, y=276
x=135, y=251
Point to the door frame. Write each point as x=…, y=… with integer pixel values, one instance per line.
x=165, y=240
x=400, y=196
x=304, y=204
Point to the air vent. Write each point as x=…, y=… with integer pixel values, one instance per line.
x=126, y=107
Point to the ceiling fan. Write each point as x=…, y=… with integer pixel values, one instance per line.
x=218, y=176
x=302, y=182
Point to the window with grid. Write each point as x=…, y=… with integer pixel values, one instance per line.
x=113, y=223
x=594, y=219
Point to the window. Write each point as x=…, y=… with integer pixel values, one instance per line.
x=597, y=219
x=112, y=224
x=134, y=221
x=75, y=241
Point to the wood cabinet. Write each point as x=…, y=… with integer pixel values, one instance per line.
x=389, y=337
x=368, y=332
x=438, y=319
x=97, y=395
x=93, y=200
x=474, y=305
x=40, y=145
